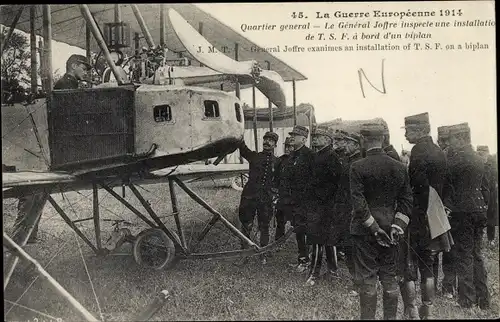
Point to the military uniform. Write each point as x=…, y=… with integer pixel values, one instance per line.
x=69, y=81
x=463, y=196
x=283, y=212
x=296, y=178
x=343, y=214
x=257, y=195
x=490, y=189
x=391, y=151
x=427, y=168
x=325, y=179
x=381, y=198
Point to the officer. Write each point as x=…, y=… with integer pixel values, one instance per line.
x=427, y=168
x=77, y=67
x=343, y=209
x=283, y=204
x=490, y=184
x=381, y=200
x=463, y=195
x=297, y=178
x=257, y=195
x=388, y=148
x=442, y=138
x=326, y=175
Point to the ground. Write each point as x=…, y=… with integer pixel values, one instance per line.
x=200, y=289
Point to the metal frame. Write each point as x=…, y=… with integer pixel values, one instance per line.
x=183, y=250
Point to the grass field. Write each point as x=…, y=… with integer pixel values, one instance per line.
x=200, y=289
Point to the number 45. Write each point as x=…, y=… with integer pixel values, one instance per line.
x=297, y=14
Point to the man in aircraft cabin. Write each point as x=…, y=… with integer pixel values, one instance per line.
x=297, y=179
x=325, y=180
x=381, y=200
x=257, y=195
x=77, y=67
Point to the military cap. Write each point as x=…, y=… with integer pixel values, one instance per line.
x=287, y=140
x=483, y=148
x=300, y=130
x=78, y=59
x=272, y=136
x=417, y=120
x=458, y=129
x=353, y=137
x=323, y=130
x=443, y=131
x=372, y=129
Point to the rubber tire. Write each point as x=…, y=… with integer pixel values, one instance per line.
x=235, y=185
x=171, y=257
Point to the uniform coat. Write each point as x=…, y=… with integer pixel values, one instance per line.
x=379, y=188
x=327, y=170
x=67, y=82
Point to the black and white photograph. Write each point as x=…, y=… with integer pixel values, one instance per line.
x=250, y=161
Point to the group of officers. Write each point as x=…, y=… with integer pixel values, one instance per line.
x=352, y=191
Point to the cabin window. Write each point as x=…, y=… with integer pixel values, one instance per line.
x=238, y=112
x=162, y=113
x=211, y=109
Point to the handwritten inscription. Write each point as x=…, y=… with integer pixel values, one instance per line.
x=361, y=74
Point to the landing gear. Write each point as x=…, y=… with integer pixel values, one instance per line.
x=153, y=248
x=238, y=182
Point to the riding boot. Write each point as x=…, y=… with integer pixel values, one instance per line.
x=316, y=259
x=427, y=288
x=435, y=272
x=390, y=304
x=409, y=295
x=368, y=304
x=331, y=259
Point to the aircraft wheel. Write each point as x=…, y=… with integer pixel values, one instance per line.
x=238, y=182
x=153, y=248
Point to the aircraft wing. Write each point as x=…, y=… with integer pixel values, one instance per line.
x=13, y=183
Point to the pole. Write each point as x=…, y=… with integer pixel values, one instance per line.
x=269, y=104
x=43, y=273
x=47, y=42
x=118, y=19
x=34, y=75
x=254, y=118
x=11, y=28
x=100, y=41
x=162, y=24
x=42, y=64
x=87, y=41
x=143, y=26
x=294, y=104
x=236, y=57
x=200, y=31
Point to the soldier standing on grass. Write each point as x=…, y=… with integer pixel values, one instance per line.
x=490, y=185
x=257, y=195
x=326, y=175
x=381, y=200
x=463, y=196
x=284, y=202
x=427, y=171
x=296, y=177
x=343, y=209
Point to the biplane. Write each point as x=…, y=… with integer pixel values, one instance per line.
x=151, y=123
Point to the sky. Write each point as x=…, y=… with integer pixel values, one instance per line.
x=453, y=86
